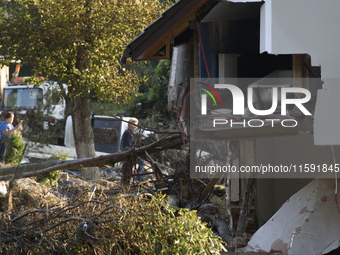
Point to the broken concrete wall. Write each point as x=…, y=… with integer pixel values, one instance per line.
x=273, y=193
x=304, y=26
x=305, y=224
x=296, y=150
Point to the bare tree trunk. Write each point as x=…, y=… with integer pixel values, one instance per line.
x=83, y=134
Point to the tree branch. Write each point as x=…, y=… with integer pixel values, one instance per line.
x=173, y=141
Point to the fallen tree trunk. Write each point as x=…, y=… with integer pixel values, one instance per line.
x=6, y=173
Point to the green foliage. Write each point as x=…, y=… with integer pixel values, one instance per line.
x=161, y=229
x=79, y=42
x=104, y=108
x=151, y=102
x=155, y=227
x=152, y=97
x=53, y=176
x=121, y=224
x=15, y=149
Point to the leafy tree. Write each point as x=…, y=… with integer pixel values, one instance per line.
x=152, y=99
x=78, y=42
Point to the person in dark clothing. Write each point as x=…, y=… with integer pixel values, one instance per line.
x=129, y=140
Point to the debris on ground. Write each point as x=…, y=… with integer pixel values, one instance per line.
x=100, y=218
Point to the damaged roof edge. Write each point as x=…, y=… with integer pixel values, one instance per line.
x=159, y=27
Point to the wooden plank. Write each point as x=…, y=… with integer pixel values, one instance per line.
x=300, y=71
x=196, y=54
x=247, y=158
x=300, y=77
x=167, y=43
x=154, y=55
x=235, y=183
x=196, y=62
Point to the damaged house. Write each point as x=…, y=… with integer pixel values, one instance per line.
x=270, y=47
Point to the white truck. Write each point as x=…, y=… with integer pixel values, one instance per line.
x=18, y=95
x=42, y=108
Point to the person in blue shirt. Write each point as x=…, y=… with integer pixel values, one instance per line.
x=6, y=130
x=129, y=140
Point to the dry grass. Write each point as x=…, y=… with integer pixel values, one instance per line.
x=106, y=220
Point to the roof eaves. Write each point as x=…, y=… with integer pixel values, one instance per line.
x=153, y=27
x=159, y=22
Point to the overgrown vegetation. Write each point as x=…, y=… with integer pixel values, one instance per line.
x=52, y=177
x=151, y=101
x=15, y=149
x=120, y=224
x=78, y=43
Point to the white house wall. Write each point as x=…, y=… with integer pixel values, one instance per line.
x=4, y=77
x=304, y=26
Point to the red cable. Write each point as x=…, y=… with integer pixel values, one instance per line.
x=336, y=202
x=313, y=75
x=206, y=67
x=205, y=60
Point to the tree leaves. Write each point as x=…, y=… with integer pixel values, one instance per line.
x=78, y=42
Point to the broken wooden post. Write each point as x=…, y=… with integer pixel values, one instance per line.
x=206, y=191
x=158, y=174
x=244, y=208
x=300, y=64
x=127, y=171
x=247, y=158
